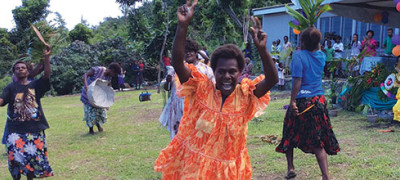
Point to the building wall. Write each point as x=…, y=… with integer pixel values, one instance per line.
x=276, y=26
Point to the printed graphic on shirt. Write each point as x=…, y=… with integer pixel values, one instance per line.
x=25, y=106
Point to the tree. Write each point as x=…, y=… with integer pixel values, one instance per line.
x=81, y=32
x=8, y=53
x=29, y=12
x=69, y=66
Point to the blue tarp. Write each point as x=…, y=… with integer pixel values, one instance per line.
x=370, y=97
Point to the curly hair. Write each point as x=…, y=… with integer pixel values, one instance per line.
x=19, y=62
x=191, y=46
x=227, y=51
x=310, y=39
x=370, y=31
x=115, y=67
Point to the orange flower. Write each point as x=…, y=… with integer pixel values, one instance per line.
x=10, y=156
x=39, y=144
x=29, y=167
x=19, y=143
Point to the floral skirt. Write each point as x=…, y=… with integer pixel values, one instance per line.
x=94, y=115
x=27, y=154
x=309, y=130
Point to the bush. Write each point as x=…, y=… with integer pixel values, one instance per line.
x=5, y=81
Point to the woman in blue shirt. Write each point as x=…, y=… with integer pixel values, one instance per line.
x=307, y=125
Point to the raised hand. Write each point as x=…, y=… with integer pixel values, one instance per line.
x=47, y=51
x=185, y=13
x=259, y=36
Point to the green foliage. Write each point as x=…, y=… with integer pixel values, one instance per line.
x=359, y=84
x=4, y=82
x=312, y=10
x=110, y=28
x=81, y=33
x=50, y=34
x=68, y=67
x=30, y=12
x=8, y=53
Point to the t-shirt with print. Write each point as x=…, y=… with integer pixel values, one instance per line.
x=309, y=66
x=25, y=113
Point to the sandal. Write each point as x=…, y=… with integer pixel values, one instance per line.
x=290, y=175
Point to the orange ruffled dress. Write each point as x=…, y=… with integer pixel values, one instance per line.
x=211, y=141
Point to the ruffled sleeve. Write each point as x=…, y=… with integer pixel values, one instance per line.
x=190, y=87
x=256, y=105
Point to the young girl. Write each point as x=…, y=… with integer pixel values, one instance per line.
x=281, y=76
x=93, y=115
x=310, y=130
x=211, y=142
x=25, y=139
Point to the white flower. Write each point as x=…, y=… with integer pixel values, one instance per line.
x=19, y=157
x=30, y=148
x=12, y=138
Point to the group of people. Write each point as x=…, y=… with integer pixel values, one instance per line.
x=207, y=113
x=334, y=48
x=281, y=56
x=209, y=108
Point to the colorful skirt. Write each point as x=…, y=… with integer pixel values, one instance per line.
x=94, y=116
x=309, y=130
x=27, y=155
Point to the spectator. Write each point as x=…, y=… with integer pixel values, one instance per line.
x=388, y=43
x=369, y=44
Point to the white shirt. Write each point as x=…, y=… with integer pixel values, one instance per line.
x=338, y=46
x=355, y=48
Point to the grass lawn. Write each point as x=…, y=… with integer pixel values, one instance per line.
x=133, y=138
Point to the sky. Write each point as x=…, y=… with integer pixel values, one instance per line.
x=94, y=11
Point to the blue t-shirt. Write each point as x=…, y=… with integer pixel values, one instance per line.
x=309, y=66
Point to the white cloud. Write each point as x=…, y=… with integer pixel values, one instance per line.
x=94, y=11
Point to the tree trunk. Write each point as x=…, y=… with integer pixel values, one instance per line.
x=232, y=14
x=246, y=20
x=163, y=46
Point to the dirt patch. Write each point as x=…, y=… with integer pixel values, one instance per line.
x=280, y=95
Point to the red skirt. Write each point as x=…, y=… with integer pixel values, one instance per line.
x=309, y=130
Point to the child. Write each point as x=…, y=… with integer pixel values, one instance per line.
x=93, y=115
x=25, y=140
x=211, y=142
x=281, y=76
x=329, y=55
x=121, y=77
x=141, y=69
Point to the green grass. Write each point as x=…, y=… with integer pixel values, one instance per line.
x=133, y=139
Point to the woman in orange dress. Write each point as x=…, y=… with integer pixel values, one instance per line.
x=211, y=141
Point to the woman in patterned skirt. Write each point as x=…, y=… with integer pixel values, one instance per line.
x=310, y=130
x=93, y=115
x=25, y=139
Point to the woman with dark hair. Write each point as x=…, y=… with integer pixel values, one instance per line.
x=307, y=125
x=355, y=51
x=369, y=44
x=26, y=143
x=211, y=142
x=93, y=115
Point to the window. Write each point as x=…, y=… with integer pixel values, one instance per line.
x=347, y=35
x=336, y=22
x=293, y=38
x=324, y=25
x=377, y=33
x=361, y=30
